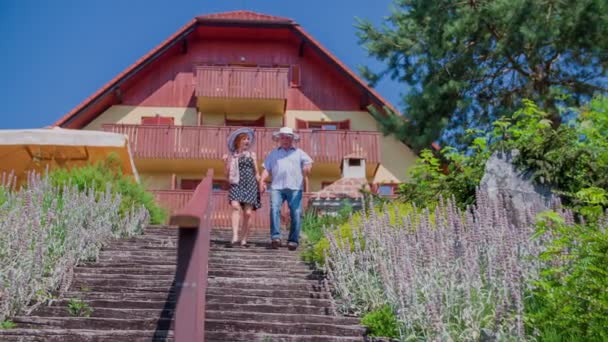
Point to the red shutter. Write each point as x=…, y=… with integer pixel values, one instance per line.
x=344, y=124
x=189, y=184
x=301, y=124
x=295, y=76
x=157, y=120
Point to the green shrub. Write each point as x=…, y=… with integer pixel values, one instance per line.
x=381, y=322
x=394, y=210
x=79, y=308
x=570, y=299
x=572, y=159
x=109, y=172
x=313, y=226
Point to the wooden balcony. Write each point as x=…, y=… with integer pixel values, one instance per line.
x=173, y=200
x=230, y=89
x=205, y=142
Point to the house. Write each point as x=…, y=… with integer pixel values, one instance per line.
x=178, y=103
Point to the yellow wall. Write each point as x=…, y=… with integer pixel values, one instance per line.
x=133, y=114
x=182, y=116
x=396, y=157
x=210, y=119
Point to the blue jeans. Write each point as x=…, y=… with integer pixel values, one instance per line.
x=294, y=201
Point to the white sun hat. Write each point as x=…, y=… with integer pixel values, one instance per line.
x=285, y=131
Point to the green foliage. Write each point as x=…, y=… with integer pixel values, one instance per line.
x=573, y=158
x=79, y=308
x=381, y=322
x=570, y=298
x=313, y=226
x=7, y=324
x=109, y=172
x=345, y=229
x=459, y=179
x=3, y=194
x=467, y=63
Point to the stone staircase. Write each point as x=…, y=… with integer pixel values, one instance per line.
x=253, y=294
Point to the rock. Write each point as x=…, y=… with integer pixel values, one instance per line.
x=521, y=194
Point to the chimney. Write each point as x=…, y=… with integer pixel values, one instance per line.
x=353, y=166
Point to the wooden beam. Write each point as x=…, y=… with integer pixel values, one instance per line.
x=185, y=46
x=118, y=94
x=301, y=48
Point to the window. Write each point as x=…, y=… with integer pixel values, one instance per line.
x=220, y=185
x=354, y=162
x=386, y=189
x=323, y=125
x=157, y=120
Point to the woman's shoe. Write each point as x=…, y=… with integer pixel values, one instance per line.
x=244, y=244
x=232, y=244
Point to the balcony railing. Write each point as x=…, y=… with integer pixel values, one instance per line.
x=242, y=82
x=205, y=142
x=173, y=200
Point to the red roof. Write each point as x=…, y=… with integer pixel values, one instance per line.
x=240, y=17
x=244, y=16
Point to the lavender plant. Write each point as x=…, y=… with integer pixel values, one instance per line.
x=46, y=230
x=449, y=274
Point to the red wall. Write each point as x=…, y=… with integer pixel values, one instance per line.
x=169, y=81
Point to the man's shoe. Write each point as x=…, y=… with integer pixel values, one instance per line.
x=275, y=244
x=292, y=246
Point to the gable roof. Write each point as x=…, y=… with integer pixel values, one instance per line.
x=244, y=18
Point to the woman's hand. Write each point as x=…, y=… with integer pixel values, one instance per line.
x=225, y=158
x=262, y=187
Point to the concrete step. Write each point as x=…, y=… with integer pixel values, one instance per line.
x=280, y=293
x=230, y=299
x=81, y=335
x=283, y=328
x=92, y=323
x=62, y=311
x=221, y=336
x=266, y=308
x=279, y=317
x=122, y=304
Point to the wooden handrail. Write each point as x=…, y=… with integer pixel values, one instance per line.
x=194, y=224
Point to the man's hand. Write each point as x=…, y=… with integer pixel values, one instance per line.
x=306, y=169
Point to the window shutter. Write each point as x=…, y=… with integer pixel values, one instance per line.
x=295, y=76
x=189, y=184
x=344, y=124
x=157, y=120
x=301, y=124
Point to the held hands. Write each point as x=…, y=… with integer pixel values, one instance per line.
x=225, y=158
x=262, y=187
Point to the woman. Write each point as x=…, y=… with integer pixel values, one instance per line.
x=243, y=174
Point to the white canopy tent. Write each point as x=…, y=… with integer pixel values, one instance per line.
x=24, y=150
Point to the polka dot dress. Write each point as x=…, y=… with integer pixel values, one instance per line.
x=246, y=191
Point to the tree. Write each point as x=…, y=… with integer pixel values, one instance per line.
x=469, y=62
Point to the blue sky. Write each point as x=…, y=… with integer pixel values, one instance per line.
x=57, y=53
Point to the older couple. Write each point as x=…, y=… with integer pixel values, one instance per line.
x=286, y=164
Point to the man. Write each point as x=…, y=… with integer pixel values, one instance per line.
x=288, y=166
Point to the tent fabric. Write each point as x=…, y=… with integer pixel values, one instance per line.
x=24, y=150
